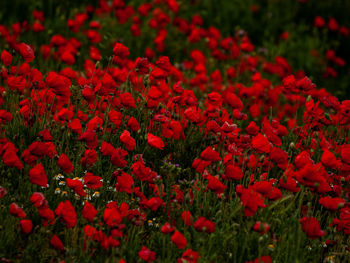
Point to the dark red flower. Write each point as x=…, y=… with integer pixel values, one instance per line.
x=187, y=218
x=204, y=225
x=311, y=227
x=56, y=243
x=167, y=228
x=332, y=203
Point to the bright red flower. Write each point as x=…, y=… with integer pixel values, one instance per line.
x=147, y=255
x=11, y=159
x=127, y=140
x=120, y=50
x=3, y=192
x=343, y=223
x=89, y=158
x=65, y=164
x=89, y=212
x=233, y=172
x=26, y=52
x=189, y=256
x=179, y=240
x=329, y=160
x=38, y=200
x=26, y=225
x=76, y=185
x=155, y=141
x=215, y=184
x=118, y=158
x=67, y=212
x=6, y=58
x=261, y=144
x=124, y=183
x=92, y=181
x=17, y=211
x=263, y=259
x=210, y=155
x=133, y=124
x=250, y=199
x=345, y=154
x=38, y=176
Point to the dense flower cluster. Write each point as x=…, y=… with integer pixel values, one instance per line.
x=146, y=159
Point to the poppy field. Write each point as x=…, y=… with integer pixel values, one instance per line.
x=174, y=131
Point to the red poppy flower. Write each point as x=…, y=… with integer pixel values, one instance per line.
x=76, y=185
x=38, y=199
x=210, y=155
x=11, y=159
x=204, y=225
x=179, y=240
x=26, y=52
x=89, y=212
x=155, y=141
x=65, y=164
x=215, y=184
x=261, y=144
x=120, y=50
x=127, y=140
x=89, y=158
x=332, y=203
x=147, y=255
x=261, y=228
x=67, y=212
x=311, y=227
x=124, y=183
x=92, y=181
x=107, y=149
x=233, y=172
x=26, y=225
x=187, y=218
x=189, y=256
x=17, y=211
x=167, y=228
x=118, y=158
x=6, y=58
x=56, y=243
x=38, y=176
x=329, y=160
